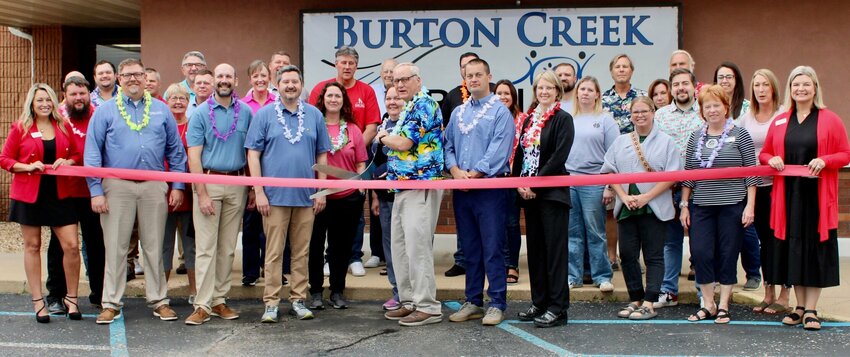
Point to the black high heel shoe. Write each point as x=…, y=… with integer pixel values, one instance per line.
x=73, y=315
x=41, y=318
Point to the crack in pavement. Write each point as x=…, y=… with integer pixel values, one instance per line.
x=383, y=332
x=233, y=333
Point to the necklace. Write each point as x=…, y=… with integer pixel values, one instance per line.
x=530, y=139
x=236, y=108
x=714, y=144
x=341, y=138
x=407, y=108
x=286, y=132
x=64, y=112
x=146, y=117
x=464, y=93
x=466, y=128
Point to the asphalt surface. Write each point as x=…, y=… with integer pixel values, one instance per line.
x=361, y=330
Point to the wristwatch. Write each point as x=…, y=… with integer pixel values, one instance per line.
x=683, y=204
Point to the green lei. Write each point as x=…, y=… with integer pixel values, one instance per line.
x=146, y=118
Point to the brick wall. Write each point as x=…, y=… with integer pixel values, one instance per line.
x=15, y=80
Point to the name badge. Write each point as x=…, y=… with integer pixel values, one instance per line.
x=780, y=122
x=36, y=135
x=730, y=139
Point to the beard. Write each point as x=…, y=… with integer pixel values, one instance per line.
x=683, y=101
x=568, y=86
x=74, y=113
x=224, y=90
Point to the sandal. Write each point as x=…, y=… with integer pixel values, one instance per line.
x=808, y=320
x=644, y=313
x=796, y=318
x=722, y=314
x=761, y=306
x=43, y=319
x=706, y=315
x=76, y=315
x=777, y=309
x=628, y=310
x=513, y=278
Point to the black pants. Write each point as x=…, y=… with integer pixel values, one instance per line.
x=643, y=232
x=338, y=224
x=376, y=244
x=716, y=237
x=93, y=237
x=547, y=226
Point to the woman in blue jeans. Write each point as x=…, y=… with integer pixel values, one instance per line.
x=595, y=131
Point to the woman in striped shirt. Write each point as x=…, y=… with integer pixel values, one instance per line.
x=722, y=208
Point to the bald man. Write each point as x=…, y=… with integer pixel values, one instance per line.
x=217, y=147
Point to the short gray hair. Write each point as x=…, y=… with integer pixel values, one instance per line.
x=194, y=54
x=347, y=51
x=414, y=69
x=289, y=68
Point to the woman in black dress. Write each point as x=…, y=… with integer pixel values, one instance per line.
x=545, y=137
x=805, y=215
x=38, y=139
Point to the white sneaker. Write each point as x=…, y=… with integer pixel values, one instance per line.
x=326, y=270
x=357, y=269
x=665, y=300
x=139, y=270
x=373, y=262
x=606, y=287
x=191, y=300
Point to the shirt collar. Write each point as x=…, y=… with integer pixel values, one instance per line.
x=694, y=108
x=477, y=102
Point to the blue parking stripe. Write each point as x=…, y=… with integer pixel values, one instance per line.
x=118, y=337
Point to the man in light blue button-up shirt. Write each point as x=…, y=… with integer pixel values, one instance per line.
x=479, y=142
x=134, y=131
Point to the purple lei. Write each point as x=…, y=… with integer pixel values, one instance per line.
x=236, y=108
x=698, y=154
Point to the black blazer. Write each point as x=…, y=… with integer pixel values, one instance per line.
x=556, y=140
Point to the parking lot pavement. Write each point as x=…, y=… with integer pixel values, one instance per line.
x=362, y=330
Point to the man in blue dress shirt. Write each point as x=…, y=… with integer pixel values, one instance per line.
x=216, y=139
x=286, y=139
x=479, y=140
x=134, y=131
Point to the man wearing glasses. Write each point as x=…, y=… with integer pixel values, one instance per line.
x=134, y=131
x=193, y=61
x=416, y=153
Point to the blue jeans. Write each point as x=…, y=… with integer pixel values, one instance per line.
x=751, y=253
x=514, y=241
x=480, y=216
x=673, y=250
x=386, y=210
x=357, y=248
x=587, y=231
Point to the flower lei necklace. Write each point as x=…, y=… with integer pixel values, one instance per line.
x=286, y=132
x=236, y=108
x=341, y=138
x=714, y=144
x=464, y=93
x=406, y=110
x=466, y=128
x=146, y=117
x=64, y=112
x=538, y=122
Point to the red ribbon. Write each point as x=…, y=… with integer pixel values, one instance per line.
x=510, y=182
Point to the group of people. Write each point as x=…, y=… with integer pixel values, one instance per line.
x=394, y=130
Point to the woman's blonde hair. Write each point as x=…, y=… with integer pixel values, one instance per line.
x=774, y=87
x=809, y=72
x=551, y=77
x=597, y=105
x=175, y=88
x=27, y=117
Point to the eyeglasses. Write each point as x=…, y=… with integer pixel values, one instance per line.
x=639, y=113
x=196, y=65
x=176, y=98
x=404, y=80
x=727, y=77
x=136, y=75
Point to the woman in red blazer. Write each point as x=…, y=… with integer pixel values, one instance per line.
x=805, y=210
x=41, y=137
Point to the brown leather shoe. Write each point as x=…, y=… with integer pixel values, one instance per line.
x=198, y=317
x=420, y=318
x=224, y=312
x=107, y=316
x=165, y=313
x=398, y=314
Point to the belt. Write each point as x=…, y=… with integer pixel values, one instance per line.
x=240, y=172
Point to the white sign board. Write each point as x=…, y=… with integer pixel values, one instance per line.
x=518, y=43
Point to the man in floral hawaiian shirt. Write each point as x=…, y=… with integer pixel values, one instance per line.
x=618, y=99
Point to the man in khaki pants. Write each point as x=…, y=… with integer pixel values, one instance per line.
x=216, y=140
x=134, y=131
x=285, y=140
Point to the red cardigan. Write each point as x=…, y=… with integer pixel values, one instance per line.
x=833, y=149
x=23, y=148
